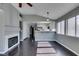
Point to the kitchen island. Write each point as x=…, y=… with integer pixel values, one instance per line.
x=44, y=35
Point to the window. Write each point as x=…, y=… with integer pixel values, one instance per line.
x=77, y=26
x=71, y=26
x=60, y=27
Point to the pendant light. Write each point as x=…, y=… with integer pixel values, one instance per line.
x=47, y=16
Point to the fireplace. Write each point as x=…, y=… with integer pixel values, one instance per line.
x=12, y=41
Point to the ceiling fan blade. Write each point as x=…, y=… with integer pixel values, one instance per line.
x=29, y=4
x=20, y=5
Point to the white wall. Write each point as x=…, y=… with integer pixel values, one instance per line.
x=9, y=23
x=25, y=30
x=33, y=18
x=43, y=25
x=11, y=19
x=52, y=25
x=1, y=30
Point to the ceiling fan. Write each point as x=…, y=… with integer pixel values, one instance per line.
x=20, y=6
x=29, y=4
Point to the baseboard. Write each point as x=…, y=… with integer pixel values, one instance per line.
x=67, y=48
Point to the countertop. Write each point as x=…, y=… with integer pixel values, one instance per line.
x=44, y=31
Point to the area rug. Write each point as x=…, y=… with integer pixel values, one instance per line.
x=45, y=49
x=44, y=44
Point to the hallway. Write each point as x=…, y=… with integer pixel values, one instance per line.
x=29, y=48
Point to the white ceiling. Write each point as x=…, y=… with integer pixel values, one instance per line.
x=56, y=9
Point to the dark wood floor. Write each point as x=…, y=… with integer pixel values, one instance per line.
x=29, y=48
x=61, y=51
